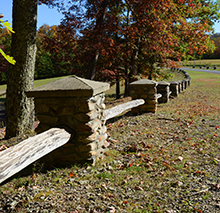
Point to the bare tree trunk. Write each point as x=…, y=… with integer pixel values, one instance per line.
x=117, y=87
x=135, y=57
x=91, y=70
x=19, y=108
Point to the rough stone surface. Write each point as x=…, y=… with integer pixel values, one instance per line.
x=164, y=89
x=174, y=88
x=78, y=105
x=69, y=86
x=144, y=89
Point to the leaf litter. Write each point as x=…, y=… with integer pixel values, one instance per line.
x=164, y=162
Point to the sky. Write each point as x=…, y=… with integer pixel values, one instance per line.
x=44, y=16
x=47, y=15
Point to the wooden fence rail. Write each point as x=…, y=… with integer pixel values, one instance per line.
x=117, y=110
x=16, y=158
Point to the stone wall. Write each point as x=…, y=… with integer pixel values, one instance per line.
x=83, y=117
x=163, y=88
x=149, y=90
x=77, y=105
x=144, y=89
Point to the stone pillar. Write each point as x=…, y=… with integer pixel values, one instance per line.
x=145, y=89
x=183, y=85
x=180, y=86
x=187, y=82
x=164, y=89
x=77, y=105
x=174, y=88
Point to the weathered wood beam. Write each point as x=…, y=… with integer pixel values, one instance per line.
x=117, y=110
x=16, y=158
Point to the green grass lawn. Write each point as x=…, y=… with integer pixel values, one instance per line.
x=203, y=62
x=37, y=83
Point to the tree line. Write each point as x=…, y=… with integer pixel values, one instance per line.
x=107, y=40
x=215, y=54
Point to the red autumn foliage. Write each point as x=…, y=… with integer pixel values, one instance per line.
x=117, y=39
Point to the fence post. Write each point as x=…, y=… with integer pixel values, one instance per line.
x=78, y=105
x=144, y=89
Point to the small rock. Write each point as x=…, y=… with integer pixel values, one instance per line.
x=83, y=182
x=170, y=211
x=110, y=168
x=111, y=209
x=180, y=158
x=179, y=183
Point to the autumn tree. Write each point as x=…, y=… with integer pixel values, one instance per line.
x=215, y=54
x=119, y=38
x=19, y=108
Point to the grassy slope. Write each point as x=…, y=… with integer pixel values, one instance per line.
x=37, y=83
x=177, y=157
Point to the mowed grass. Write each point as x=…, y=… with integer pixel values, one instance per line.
x=203, y=62
x=37, y=83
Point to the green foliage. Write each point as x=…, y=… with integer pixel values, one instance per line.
x=7, y=57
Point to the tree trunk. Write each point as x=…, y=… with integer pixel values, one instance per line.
x=117, y=87
x=91, y=70
x=134, y=57
x=19, y=108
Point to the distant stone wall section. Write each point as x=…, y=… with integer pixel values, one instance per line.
x=144, y=89
x=149, y=90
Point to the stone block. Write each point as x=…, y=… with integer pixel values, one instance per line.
x=151, y=102
x=94, y=124
x=85, y=128
x=94, y=114
x=82, y=117
x=47, y=119
x=102, y=106
x=87, y=138
x=87, y=148
x=134, y=96
x=135, y=110
x=140, y=90
x=42, y=127
x=64, y=110
x=42, y=108
x=144, y=96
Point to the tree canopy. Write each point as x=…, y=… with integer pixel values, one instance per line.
x=118, y=37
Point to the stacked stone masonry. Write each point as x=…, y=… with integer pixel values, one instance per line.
x=82, y=116
x=144, y=89
x=163, y=88
x=77, y=105
x=149, y=90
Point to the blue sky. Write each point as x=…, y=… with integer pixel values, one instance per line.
x=46, y=15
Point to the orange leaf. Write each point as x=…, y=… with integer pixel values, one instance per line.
x=71, y=174
x=131, y=164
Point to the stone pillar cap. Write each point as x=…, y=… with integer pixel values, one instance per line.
x=163, y=83
x=144, y=82
x=69, y=87
x=174, y=82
